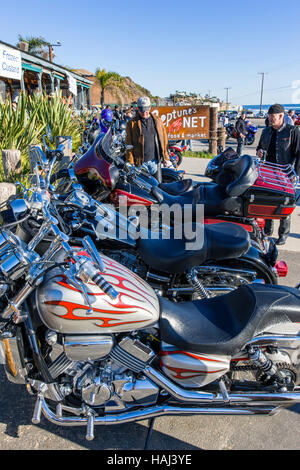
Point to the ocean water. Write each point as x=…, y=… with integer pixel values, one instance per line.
x=256, y=107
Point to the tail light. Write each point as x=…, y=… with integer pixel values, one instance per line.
x=281, y=268
x=261, y=222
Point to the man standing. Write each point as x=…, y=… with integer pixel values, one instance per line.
x=289, y=117
x=280, y=142
x=241, y=130
x=147, y=135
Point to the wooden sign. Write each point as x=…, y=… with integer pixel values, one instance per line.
x=184, y=122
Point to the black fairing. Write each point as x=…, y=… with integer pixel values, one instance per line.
x=224, y=324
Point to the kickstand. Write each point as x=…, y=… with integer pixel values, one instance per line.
x=149, y=434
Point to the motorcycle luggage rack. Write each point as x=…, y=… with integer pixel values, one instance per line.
x=273, y=174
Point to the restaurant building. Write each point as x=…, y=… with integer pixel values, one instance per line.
x=22, y=71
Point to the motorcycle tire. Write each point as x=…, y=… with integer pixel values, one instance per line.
x=250, y=140
x=178, y=157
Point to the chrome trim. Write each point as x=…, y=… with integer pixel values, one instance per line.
x=87, y=347
x=251, y=399
x=287, y=171
x=274, y=339
x=152, y=412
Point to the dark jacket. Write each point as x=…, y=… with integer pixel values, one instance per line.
x=241, y=127
x=287, y=145
x=135, y=138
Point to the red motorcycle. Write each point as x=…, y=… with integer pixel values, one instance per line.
x=176, y=149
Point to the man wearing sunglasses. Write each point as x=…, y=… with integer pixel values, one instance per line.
x=147, y=135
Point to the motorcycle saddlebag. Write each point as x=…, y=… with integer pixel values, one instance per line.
x=273, y=194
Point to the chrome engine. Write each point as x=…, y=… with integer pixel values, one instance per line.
x=100, y=373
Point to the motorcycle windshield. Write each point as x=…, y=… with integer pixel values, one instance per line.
x=97, y=163
x=105, y=145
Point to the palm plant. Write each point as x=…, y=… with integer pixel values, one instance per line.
x=57, y=113
x=108, y=80
x=36, y=45
x=18, y=128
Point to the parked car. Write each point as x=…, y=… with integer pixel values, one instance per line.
x=232, y=115
x=250, y=114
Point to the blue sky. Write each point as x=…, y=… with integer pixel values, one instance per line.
x=192, y=45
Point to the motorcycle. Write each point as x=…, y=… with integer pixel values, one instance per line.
x=95, y=345
x=94, y=132
x=250, y=136
x=175, y=149
x=235, y=199
x=219, y=266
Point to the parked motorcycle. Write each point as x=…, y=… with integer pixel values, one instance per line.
x=231, y=199
x=95, y=345
x=176, y=148
x=250, y=136
x=93, y=133
x=165, y=262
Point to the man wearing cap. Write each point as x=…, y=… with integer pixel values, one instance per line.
x=148, y=137
x=280, y=144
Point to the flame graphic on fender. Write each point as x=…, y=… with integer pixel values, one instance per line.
x=188, y=373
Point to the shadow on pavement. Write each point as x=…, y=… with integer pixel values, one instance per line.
x=16, y=409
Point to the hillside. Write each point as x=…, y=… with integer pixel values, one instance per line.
x=132, y=91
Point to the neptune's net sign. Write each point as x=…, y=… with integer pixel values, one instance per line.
x=10, y=63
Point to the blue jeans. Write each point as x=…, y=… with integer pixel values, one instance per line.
x=241, y=142
x=151, y=166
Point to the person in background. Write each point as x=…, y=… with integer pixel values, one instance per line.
x=106, y=119
x=280, y=144
x=241, y=130
x=147, y=135
x=117, y=113
x=128, y=114
x=289, y=118
x=225, y=120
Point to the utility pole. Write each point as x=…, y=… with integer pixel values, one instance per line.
x=227, y=88
x=262, y=88
x=50, y=47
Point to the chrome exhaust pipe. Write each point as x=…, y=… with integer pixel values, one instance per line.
x=237, y=399
x=153, y=412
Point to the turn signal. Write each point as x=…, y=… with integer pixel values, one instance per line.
x=281, y=268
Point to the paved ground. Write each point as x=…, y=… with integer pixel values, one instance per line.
x=279, y=432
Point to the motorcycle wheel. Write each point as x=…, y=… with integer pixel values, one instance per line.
x=250, y=140
x=178, y=157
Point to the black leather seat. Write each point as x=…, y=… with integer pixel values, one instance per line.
x=224, y=324
x=178, y=187
x=215, y=242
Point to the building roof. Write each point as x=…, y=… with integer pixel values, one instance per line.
x=26, y=57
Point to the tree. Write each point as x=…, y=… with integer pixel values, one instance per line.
x=108, y=80
x=36, y=45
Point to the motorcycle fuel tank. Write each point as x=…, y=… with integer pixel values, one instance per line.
x=63, y=308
